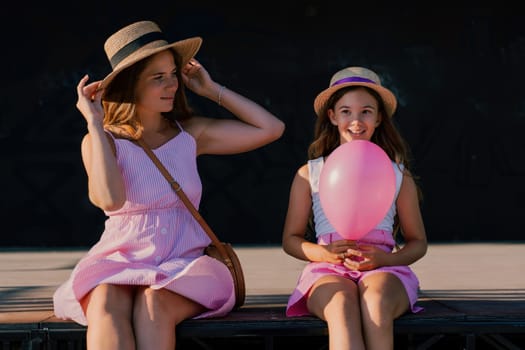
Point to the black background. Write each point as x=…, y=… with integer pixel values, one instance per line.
x=457, y=72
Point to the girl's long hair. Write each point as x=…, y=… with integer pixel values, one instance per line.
x=386, y=136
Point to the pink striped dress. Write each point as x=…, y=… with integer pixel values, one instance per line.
x=153, y=240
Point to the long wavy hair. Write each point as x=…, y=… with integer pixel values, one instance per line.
x=386, y=136
x=120, y=116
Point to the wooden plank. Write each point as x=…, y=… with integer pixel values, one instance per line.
x=466, y=305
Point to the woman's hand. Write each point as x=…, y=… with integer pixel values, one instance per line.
x=197, y=79
x=254, y=127
x=89, y=101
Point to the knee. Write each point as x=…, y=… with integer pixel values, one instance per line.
x=378, y=307
x=345, y=299
x=108, y=301
x=156, y=304
x=343, y=302
x=334, y=297
x=155, y=300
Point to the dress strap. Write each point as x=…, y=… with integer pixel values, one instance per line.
x=178, y=124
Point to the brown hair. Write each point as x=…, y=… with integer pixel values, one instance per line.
x=119, y=100
x=386, y=136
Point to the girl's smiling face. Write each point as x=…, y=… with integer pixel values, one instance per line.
x=356, y=115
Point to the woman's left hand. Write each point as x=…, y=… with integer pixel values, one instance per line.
x=365, y=257
x=196, y=78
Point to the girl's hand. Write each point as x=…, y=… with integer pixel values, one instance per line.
x=336, y=252
x=365, y=257
x=89, y=100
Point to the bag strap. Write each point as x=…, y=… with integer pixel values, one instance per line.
x=178, y=190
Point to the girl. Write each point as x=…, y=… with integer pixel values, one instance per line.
x=357, y=287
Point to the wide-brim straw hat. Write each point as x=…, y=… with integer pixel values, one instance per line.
x=356, y=76
x=140, y=40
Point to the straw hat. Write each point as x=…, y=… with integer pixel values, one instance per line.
x=356, y=76
x=140, y=40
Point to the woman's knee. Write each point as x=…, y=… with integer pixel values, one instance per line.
x=164, y=305
x=155, y=301
x=108, y=300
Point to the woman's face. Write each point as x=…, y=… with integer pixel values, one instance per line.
x=157, y=84
x=356, y=115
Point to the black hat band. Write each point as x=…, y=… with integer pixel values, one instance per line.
x=133, y=46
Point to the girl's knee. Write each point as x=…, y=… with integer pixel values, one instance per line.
x=334, y=300
x=385, y=300
x=382, y=308
x=345, y=299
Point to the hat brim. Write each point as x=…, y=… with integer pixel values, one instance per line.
x=186, y=48
x=389, y=100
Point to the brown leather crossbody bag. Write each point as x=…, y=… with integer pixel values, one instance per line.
x=221, y=251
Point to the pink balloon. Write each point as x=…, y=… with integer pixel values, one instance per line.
x=356, y=187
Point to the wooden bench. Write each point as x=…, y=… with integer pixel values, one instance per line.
x=262, y=324
x=480, y=306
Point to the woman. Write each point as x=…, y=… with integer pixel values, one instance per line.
x=147, y=273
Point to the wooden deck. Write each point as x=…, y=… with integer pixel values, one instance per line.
x=473, y=294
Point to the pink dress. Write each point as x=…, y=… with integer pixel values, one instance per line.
x=153, y=240
x=314, y=270
x=380, y=236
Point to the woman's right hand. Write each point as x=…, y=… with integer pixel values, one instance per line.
x=89, y=101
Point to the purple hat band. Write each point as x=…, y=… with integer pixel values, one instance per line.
x=353, y=80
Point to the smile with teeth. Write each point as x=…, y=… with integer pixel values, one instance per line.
x=357, y=132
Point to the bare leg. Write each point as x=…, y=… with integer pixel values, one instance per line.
x=108, y=311
x=383, y=299
x=156, y=314
x=335, y=299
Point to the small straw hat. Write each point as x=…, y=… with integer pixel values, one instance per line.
x=140, y=40
x=356, y=76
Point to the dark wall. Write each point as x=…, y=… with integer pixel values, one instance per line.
x=458, y=75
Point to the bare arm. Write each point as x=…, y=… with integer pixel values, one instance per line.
x=299, y=211
x=255, y=126
x=411, y=221
x=105, y=182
